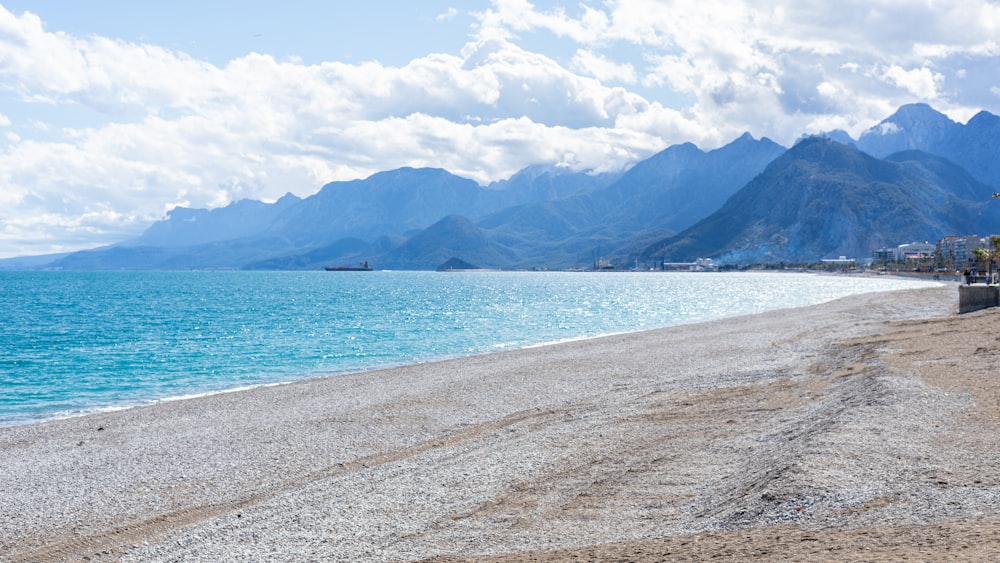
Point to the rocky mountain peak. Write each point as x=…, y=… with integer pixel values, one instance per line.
x=913, y=126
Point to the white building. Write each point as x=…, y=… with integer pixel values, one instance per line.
x=914, y=251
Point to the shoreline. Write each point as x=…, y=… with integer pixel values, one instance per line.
x=306, y=376
x=785, y=418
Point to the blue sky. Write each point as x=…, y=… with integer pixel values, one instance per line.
x=392, y=32
x=112, y=113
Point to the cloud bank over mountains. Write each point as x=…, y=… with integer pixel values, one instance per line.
x=100, y=136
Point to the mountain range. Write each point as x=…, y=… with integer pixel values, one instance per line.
x=825, y=199
x=917, y=175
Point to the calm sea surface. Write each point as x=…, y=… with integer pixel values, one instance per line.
x=76, y=342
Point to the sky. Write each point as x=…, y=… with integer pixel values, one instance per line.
x=114, y=112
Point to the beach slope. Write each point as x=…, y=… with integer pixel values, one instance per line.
x=862, y=428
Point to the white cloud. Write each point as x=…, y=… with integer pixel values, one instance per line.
x=887, y=128
x=258, y=128
x=602, y=68
x=97, y=72
x=508, y=17
x=641, y=74
x=744, y=62
x=447, y=15
x=922, y=83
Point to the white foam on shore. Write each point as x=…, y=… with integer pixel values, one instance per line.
x=215, y=392
x=67, y=414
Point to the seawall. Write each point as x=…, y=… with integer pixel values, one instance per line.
x=976, y=297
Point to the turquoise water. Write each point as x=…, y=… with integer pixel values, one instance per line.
x=76, y=342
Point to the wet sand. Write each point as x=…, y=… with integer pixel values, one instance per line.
x=863, y=429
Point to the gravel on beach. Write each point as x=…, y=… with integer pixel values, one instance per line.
x=864, y=428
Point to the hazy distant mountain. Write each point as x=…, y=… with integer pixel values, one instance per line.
x=974, y=146
x=329, y=226
x=682, y=184
x=220, y=255
x=823, y=199
x=545, y=182
x=747, y=201
x=393, y=202
x=407, y=200
x=31, y=262
x=658, y=196
x=543, y=215
x=343, y=252
x=188, y=227
x=838, y=135
x=457, y=264
x=452, y=237
x=912, y=127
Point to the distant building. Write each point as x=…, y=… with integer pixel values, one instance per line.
x=914, y=251
x=952, y=250
x=841, y=261
x=699, y=265
x=883, y=255
x=957, y=250
x=705, y=265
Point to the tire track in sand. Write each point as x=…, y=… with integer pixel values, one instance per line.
x=114, y=542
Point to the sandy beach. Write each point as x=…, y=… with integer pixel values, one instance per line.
x=867, y=428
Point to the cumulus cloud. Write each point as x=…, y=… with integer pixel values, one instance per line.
x=166, y=129
x=97, y=72
x=182, y=131
x=922, y=83
x=508, y=17
x=603, y=68
x=775, y=67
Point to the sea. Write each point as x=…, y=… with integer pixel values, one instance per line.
x=73, y=343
